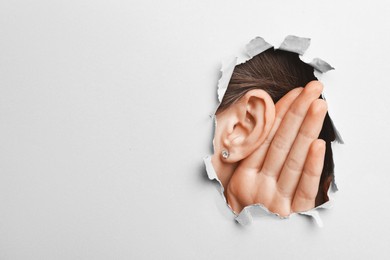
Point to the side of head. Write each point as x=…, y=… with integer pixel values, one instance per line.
x=247, y=111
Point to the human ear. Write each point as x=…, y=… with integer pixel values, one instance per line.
x=245, y=125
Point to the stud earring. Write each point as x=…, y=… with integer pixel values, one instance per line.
x=225, y=154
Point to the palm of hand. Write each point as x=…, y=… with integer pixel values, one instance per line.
x=284, y=173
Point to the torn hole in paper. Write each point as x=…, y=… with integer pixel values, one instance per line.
x=253, y=93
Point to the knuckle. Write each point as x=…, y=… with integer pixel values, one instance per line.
x=305, y=194
x=296, y=109
x=280, y=143
x=313, y=171
x=308, y=134
x=293, y=164
x=283, y=192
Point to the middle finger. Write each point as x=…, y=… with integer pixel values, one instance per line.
x=310, y=130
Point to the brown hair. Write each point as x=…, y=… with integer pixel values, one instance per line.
x=277, y=72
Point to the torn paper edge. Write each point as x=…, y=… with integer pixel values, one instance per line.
x=227, y=69
x=258, y=45
x=246, y=215
x=295, y=44
x=254, y=47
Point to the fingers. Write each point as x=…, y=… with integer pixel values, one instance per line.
x=281, y=108
x=309, y=131
x=307, y=189
x=289, y=128
x=255, y=160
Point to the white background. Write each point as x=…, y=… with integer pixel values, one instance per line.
x=104, y=121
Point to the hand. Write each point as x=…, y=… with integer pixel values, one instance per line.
x=284, y=173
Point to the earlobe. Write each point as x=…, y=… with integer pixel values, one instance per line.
x=246, y=124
